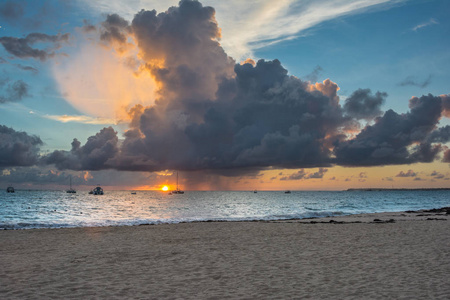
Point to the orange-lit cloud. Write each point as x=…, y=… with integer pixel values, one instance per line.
x=81, y=119
x=101, y=83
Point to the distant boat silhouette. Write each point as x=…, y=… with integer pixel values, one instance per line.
x=133, y=193
x=10, y=189
x=287, y=192
x=97, y=191
x=255, y=191
x=177, y=191
x=71, y=190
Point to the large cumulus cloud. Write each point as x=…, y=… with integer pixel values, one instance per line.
x=214, y=114
x=397, y=138
x=94, y=155
x=18, y=148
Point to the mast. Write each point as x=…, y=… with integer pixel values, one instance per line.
x=177, y=180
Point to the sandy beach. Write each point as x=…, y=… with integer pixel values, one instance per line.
x=374, y=256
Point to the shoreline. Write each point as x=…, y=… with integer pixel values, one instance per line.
x=351, y=218
x=284, y=259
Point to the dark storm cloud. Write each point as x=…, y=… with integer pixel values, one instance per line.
x=94, y=155
x=363, y=105
x=22, y=47
x=410, y=80
x=18, y=148
x=389, y=140
x=440, y=135
x=114, y=28
x=215, y=115
x=13, y=91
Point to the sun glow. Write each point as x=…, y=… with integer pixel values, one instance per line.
x=165, y=188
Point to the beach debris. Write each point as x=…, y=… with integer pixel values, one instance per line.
x=383, y=221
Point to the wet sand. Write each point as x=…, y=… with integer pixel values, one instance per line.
x=374, y=256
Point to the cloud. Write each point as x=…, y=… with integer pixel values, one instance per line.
x=437, y=175
x=440, y=135
x=27, y=68
x=410, y=80
x=209, y=113
x=21, y=47
x=36, y=177
x=396, y=138
x=363, y=105
x=409, y=173
x=13, y=91
x=250, y=25
x=94, y=155
x=18, y=148
x=295, y=176
x=318, y=174
x=81, y=119
x=446, y=156
x=425, y=24
x=303, y=175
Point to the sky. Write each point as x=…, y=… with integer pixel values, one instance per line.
x=232, y=95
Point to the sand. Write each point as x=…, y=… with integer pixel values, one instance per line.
x=408, y=258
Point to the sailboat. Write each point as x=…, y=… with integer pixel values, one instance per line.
x=177, y=191
x=71, y=190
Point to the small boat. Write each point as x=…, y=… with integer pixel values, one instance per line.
x=133, y=193
x=255, y=191
x=91, y=192
x=177, y=191
x=287, y=192
x=71, y=190
x=10, y=189
x=97, y=191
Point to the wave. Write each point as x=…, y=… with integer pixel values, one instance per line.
x=137, y=222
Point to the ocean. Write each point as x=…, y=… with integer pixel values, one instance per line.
x=57, y=209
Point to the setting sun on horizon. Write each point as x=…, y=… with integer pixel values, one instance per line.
x=165, y=188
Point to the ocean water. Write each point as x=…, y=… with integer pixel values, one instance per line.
x=55, y=209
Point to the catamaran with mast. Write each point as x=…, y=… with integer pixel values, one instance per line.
x=71, y=190
x=177, y=191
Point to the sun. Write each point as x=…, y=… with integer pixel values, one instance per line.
x=165, y=188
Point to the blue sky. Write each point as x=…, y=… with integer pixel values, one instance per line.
x=377, y=50
x=397, y=47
